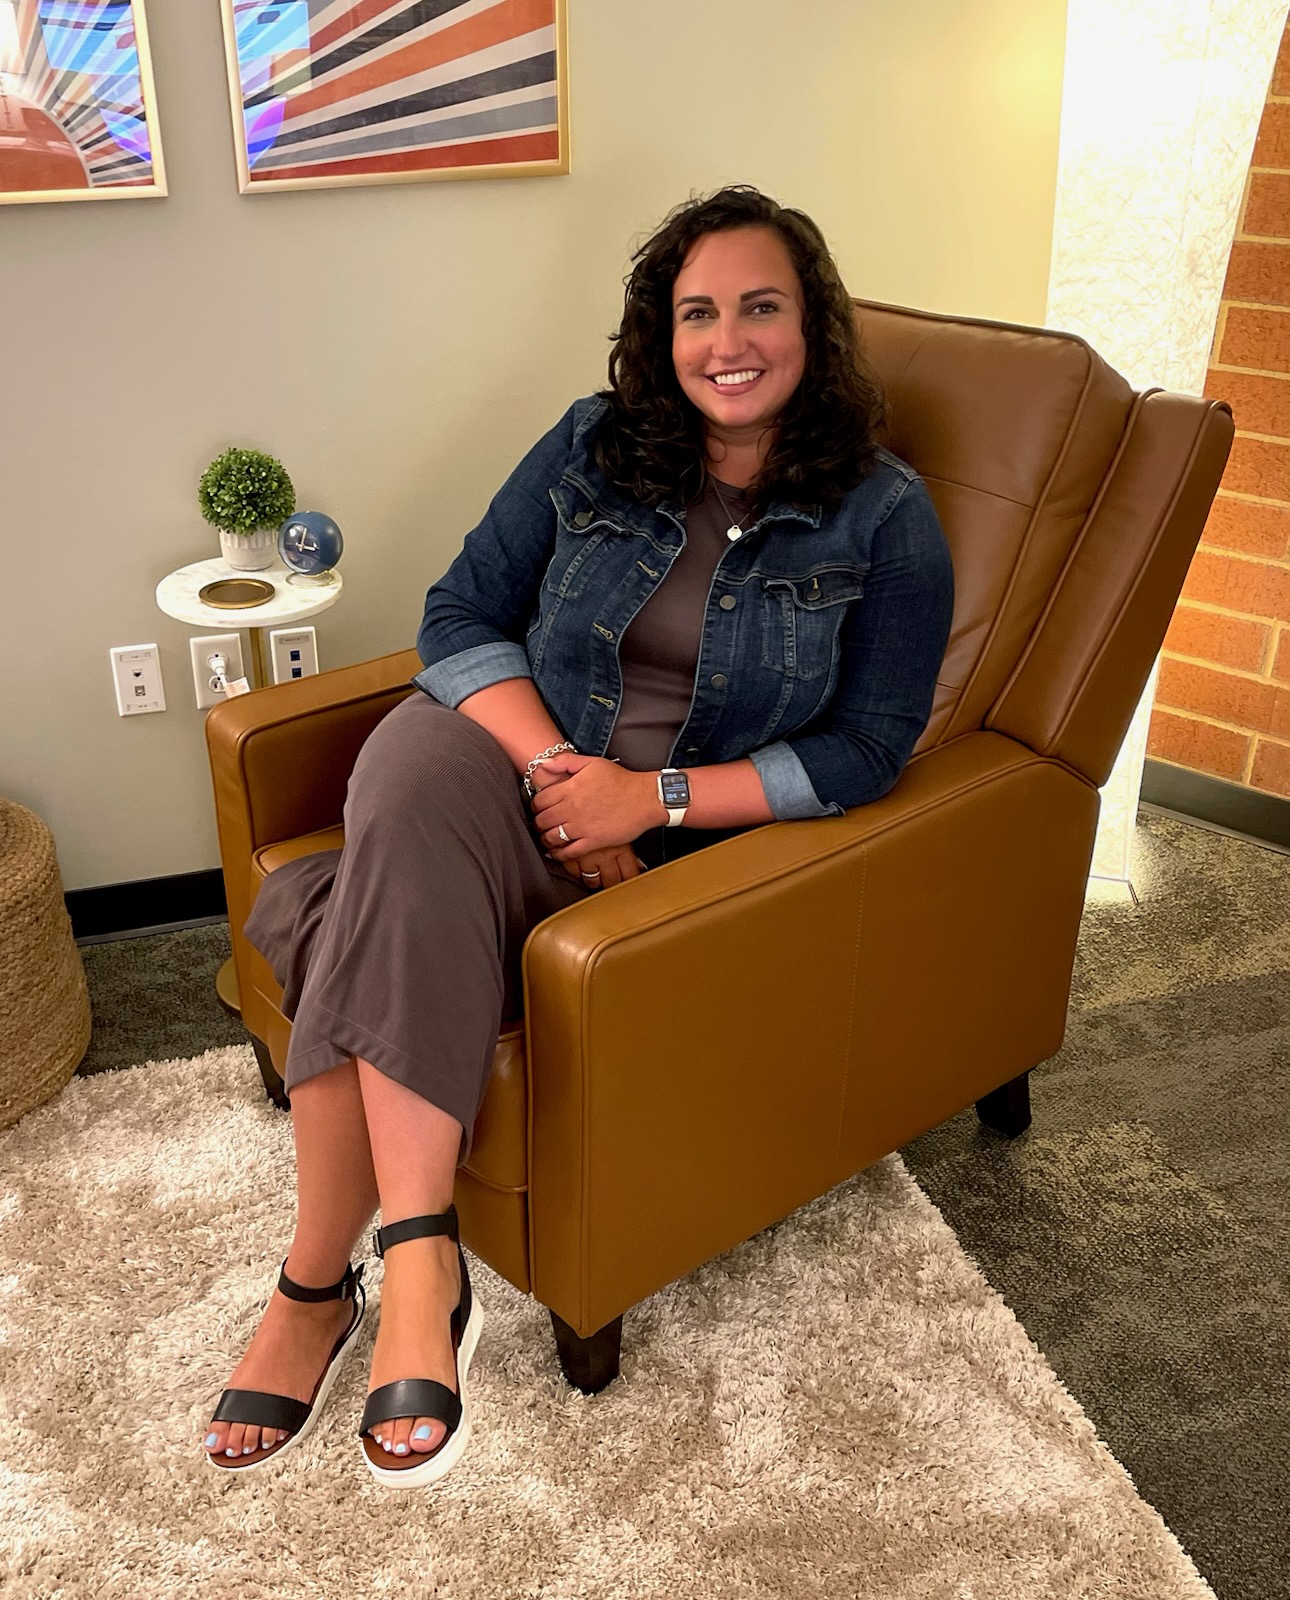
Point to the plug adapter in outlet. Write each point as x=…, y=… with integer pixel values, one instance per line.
x=228, y=645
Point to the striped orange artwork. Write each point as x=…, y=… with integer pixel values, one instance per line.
x=388, y=88
x=72, y=113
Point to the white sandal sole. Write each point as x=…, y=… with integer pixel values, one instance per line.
x=445, y=1459
x=311, y=1422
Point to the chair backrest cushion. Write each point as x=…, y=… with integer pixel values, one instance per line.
x=1014, y=430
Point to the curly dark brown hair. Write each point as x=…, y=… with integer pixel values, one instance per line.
x=651, y=442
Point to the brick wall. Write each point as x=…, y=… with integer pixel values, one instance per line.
x=1223, y=701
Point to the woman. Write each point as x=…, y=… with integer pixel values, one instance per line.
x=711, y=566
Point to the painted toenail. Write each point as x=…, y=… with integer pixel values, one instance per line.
x=247, y=1449
x=212, y=1439
x=230, y=1452
x=400, y=1449
x=422, y=1432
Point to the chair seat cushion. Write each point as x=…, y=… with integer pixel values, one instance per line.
x=499, y=1152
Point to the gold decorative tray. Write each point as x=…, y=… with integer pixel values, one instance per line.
x=236, y=594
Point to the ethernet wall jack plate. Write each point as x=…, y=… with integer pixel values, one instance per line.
x=294, y=652
x=136, y=675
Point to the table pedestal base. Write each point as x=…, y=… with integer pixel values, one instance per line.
x=226, y=989
x=261, y=678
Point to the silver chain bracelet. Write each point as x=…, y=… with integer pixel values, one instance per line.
x=537, y=761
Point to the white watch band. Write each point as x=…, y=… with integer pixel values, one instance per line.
x=675, y=814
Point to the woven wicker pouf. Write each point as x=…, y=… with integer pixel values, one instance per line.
x=44, y=1004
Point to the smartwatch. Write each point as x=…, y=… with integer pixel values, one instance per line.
x=674, y=792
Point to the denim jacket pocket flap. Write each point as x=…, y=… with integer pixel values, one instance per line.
x=577, y=511
x=827, y=586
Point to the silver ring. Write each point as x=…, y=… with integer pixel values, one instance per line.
x=592, y=875
x=563, y=835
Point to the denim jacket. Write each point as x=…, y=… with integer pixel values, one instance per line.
x=822, y=635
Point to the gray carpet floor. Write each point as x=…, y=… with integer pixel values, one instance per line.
x=1140, y=1230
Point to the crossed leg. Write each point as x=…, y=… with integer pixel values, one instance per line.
x=359, y=1137
x=415, y=1147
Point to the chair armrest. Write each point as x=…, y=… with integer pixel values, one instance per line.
x=281, y=759
x=724, y=1038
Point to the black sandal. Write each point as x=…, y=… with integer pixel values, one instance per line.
x=297, y=1417
x=424, y=1397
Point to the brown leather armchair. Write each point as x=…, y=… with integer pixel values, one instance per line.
x=815, y=994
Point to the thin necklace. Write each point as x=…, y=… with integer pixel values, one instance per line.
x=735, y=529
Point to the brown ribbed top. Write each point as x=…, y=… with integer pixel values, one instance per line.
x=659, y=651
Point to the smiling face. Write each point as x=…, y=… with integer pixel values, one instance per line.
x=737, y=341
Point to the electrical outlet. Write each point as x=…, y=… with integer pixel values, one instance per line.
x=136, y=674
x=294, y=652
x=228, y=645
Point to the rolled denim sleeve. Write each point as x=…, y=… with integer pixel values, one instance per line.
x=473, y=627
x=451, y=681
x=790, y=794
x=892, y=645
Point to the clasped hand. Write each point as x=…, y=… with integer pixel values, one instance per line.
x=602, y=807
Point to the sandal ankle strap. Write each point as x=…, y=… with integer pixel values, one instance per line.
x=416, y=1228
x=344, y=1290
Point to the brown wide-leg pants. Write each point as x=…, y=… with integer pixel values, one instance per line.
x=404, y=947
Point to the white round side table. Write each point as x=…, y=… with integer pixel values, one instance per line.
x=178, y=596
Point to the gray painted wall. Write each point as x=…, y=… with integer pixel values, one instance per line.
x=400, y=346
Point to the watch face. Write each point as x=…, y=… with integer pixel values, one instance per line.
x=676, y=789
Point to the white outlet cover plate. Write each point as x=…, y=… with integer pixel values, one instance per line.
x=201, y=648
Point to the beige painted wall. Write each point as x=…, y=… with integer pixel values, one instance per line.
x=399, y=347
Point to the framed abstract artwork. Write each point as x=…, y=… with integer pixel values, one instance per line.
x=394, y=91
x=78, y=118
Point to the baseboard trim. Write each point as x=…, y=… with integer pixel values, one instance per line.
x=146, y=905
x=1249, y=813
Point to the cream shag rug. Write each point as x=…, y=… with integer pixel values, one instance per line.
x=840, y=1407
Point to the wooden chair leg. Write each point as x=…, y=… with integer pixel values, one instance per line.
x=589, y=1364
x=1007, y=1108
x=273, y=1084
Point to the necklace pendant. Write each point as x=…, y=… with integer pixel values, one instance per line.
x=733, y=532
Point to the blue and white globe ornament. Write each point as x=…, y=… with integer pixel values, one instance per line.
x=310, y=543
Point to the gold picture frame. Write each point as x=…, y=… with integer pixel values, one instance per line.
x=411, y=94
x=78, y=109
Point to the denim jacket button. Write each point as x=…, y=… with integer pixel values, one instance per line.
x=582, y=519
x=718, y=680
x=727, y=602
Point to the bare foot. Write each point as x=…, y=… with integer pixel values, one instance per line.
x=286, y=1356
x=420, y=1292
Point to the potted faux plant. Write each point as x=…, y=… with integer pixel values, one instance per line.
x=246, y=495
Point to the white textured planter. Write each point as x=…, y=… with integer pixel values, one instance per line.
x=249, y=552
